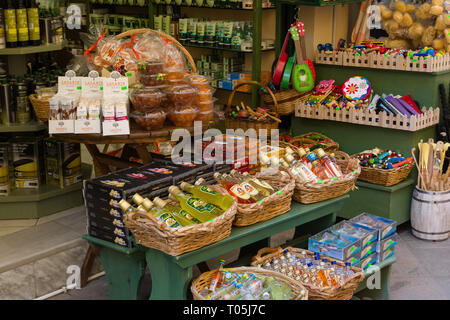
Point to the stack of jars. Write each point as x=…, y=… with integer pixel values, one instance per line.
x=164, y=93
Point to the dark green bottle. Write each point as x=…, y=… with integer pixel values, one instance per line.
x=10, y=24
x=34, y=29
x=22, y=24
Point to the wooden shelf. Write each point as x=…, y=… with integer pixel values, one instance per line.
x=224, y=49
x=31, y=126
x=316, y=3
x=44, y=192
x=32, y=49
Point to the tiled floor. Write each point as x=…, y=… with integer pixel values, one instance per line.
x=421, y=272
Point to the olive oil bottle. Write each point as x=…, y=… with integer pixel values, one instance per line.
x=34, y=30
x=22, y=24
x=10, y=24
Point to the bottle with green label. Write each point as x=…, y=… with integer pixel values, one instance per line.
x=237, y=37
x=10, y=24
x=22, y=24
x=201, y=26
x=227, y=34
x=205, y=193
x=34, y=30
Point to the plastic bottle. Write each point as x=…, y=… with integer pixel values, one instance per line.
x=22, y=24
x=10, y=24
x=34, y=30
x=319, y=170
x=302, y=154
x=329, y=164
x=218, y=278
x=262, y=186
x=301, y=170
x=207, y=194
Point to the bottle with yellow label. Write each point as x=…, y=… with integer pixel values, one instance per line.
x=254, y=193
x=165, y=215
x=200, y=209
x=262, y=186
x=22, y=23
x=234, y=188
x=176, y=211
x=10, y=24
x=126, y=206
x=34, y=30
x=205, y=193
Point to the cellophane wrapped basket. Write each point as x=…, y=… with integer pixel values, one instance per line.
x=274, y=205
x=385, y=177
x=342, y=292
x=153, y=233
x=311, y=192
x=313, y=140
x=204, y=281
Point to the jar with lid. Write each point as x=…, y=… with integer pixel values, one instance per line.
x=151, y=120
x=22, y=105
x=183, y=116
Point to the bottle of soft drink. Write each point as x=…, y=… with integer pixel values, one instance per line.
x=217, y=279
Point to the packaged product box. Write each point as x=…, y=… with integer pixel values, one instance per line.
x=381, y=256
x=387, y=243
x=62, y=162
x=369, y=250
x=368, y=236
x=4, y=169
x=368, y=261
x=336, y=246
x=233, y=76
x=385, y=227
x=123, y=241
x=225, y=84
x=28, y=162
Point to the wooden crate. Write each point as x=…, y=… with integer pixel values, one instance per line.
x=428, y=118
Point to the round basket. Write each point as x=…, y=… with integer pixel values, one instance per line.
x=272, y=206
x=153, y=233
x=385, y=177
x=244, y=124
x=204, y=280
x=342, y=292
x=311, y=192
x=286, y=100
x=312, y=141
x=41, y=107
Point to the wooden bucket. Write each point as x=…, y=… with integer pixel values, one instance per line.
x=430, y=214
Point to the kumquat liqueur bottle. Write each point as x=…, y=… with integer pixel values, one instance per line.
x=205, y=193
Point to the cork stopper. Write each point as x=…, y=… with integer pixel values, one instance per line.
x=137, y=198
x=321, y=153
x=289, y=158
x=124, y=205
x=217, y=175
x=301, y=152
x=200, y=182
x=160, y=203
x=288, y=150
x=174, y=190
x=147, y=204
x=233, y=172
x=264, y=159
x=185, y=186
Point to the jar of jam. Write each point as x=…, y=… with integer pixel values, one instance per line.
x=205, y=117
x=176, y=82
x=149, y=121
x=151, y=67
x=183, y=116
x=205, y=94
x=146, y=98
x=152, y=80
x=199, y=81
x=176, y=75
x=182, y=95
x=205, y=105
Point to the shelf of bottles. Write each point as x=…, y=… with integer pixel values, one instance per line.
x=219, y=4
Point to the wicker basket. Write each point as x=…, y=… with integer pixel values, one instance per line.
x=204, y=280
x=272, y=206
x=244, y=124
x=41, y=107
x=155, y=234
x=385, y=177
x=304, y=140
x=311, y=192
x=286, y=100
x=343, y=292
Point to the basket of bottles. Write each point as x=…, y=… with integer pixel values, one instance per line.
x=381, y=167
x=246, y=283
x=183, y=223
x=259, y=197
x=324, y=279
x=319, y=176
x=312, y=141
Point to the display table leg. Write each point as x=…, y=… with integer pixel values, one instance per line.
x=383, y=293
x=169, y=280
x=123, y=272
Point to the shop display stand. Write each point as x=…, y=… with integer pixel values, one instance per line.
x=389, y=202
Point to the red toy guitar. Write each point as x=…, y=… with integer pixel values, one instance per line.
x=303, y=78
x=278, y=73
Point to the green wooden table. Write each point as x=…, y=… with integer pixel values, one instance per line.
x=171, y=275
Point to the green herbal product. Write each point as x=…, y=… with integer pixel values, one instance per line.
x=10, y=25
x=158, y=20
x=237, y=37
x=201, y=26
x=227, y=34
x=192, y=31
x=166, y=24
x=219, y=34
x=210, y=37
x=183, y=30
x=210, y=3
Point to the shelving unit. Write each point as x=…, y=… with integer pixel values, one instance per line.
x=32, y=126
x=33, y=49
x=316, y=3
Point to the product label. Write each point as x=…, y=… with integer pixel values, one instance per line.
x=208, y=190
x=22, y=24
x=240, y=192
x=33, y=24
x=200, y=205
x=115, y=213
x=10, y=25
x=189, y=217
x=169, y=220
x=249, y=189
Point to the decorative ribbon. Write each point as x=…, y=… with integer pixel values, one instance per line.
x=87, y=52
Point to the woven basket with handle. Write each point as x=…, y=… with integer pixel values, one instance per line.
x=272, y=206
x=341, y=292
x=286, y=100
x=310, y=140
x=155, y=234
x=385, y=177
x=41, y=107
x=244, y=124
x=204, y=281
x=311, y=192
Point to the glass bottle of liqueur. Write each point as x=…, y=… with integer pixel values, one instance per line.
x=22, y=24
x=34, y=30
x=126, y=206
x=329, y=164
x=254, y=193
x=10, y=24
x=142, y=203
x=177, y=211
x=198, y=208
x=319, y=170
x=303, y=157
x=2, y=28
x=205, y=193
x=171, y=217
x=300, y=169
x=262, y=186
x=234, y=188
